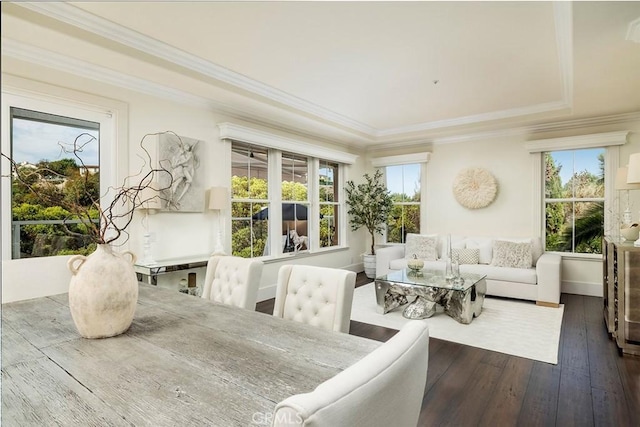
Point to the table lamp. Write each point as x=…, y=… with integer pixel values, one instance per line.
x=633, y=177
x=218, y=200
x=623, y=185
x=149, y=200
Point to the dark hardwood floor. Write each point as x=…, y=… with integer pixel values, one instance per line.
x=592, y=385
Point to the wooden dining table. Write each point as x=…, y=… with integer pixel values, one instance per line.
x=184, y=361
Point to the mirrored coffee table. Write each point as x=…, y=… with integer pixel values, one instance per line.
x=462, y=299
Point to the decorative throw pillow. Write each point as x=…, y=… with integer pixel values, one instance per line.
x=424, y=247
x=511, y=254
x=466, y=256
x=484, y=245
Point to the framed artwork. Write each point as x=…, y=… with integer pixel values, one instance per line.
x=181, y=156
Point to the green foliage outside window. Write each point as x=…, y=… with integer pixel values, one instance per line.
x=42, y=195
x=574, y=226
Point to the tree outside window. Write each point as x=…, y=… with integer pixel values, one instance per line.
x=53, y=175
x=574, y=200
x=249, y=196
x=403, y=181
x=329, y=203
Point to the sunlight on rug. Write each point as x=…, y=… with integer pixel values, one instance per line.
x=518, y=328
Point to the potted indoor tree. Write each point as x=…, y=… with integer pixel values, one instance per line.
x=370, y=204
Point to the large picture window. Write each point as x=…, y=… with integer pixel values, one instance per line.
x=574, y=189
x=292, y=195
x=57, y=164
x=403, y=181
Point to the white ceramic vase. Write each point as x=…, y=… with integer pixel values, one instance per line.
x=103, y=292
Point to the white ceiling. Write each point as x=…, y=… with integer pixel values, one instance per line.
x=372, y=73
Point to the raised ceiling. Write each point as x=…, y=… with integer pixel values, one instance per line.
x=366, y=73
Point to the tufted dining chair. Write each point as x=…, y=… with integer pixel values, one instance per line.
x=319, y=296
x=385, y=388
x=233, y=281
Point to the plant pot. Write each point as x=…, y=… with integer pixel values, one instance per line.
x=369, y=265
x=103, y=292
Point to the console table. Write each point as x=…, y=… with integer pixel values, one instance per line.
x=621, y=292
x=149, y=272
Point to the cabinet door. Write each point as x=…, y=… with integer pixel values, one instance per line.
x=632, y=296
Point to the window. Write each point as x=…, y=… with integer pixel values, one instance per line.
x=259, y=209
x=249, y=201
x=299, y=187
x=403, y=181
x=295, y=202
x=58, y=166
x=574, y=198
x=329, y=203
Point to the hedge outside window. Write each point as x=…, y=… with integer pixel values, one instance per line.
x=403, y=181
x=574, y=190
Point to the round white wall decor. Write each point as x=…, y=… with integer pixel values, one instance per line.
x=475, y=188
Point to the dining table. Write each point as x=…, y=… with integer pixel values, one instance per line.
x=185, y=361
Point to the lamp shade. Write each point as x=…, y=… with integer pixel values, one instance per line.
x=621, y=180
x=633, y=175
x=217, y=198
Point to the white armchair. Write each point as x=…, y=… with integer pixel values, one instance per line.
x=233, y=281
x=319, y=296
x=385, y=388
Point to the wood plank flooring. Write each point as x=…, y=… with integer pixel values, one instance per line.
x=592, y=385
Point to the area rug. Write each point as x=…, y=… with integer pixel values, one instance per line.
x=518, y=328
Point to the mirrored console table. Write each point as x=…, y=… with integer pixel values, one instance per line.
x=149, y=273
x=621, y=287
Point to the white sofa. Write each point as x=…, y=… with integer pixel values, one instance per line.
x=538, y=282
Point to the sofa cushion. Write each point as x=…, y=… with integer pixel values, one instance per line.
x=422, y=246
x=536, y=246
x=484, y=245
x=466, y=256
x=507, y=274
x=511, y=254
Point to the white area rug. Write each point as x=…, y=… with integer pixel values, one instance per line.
x=518, y=328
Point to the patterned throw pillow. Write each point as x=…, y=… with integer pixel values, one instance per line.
x=466, y=256
x=424, y=247
x=511, y=254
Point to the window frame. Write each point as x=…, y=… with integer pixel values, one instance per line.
x=277, y=145
x=610, y=141
x=421, y=159
x=113, y=164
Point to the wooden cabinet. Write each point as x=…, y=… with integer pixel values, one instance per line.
x=621, y=286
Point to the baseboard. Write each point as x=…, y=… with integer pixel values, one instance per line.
x=582, y=288
x=267, y=292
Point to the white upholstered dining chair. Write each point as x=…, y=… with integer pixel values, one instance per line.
x=385, y=388
x=319, y=296
x=233, y=281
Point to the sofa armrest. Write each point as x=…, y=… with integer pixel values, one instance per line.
x=548, y=272
x=385, y=255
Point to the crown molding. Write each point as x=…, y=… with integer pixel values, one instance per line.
x=79, y=18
